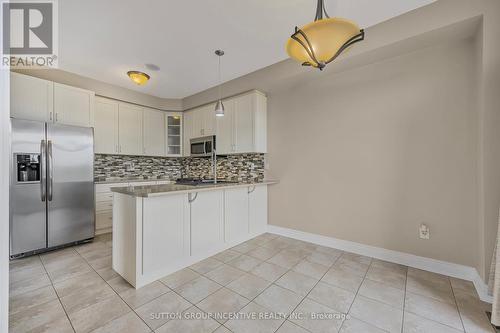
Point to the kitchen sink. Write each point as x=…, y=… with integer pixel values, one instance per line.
x=201, y=182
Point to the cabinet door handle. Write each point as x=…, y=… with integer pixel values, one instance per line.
x=190, y=197
x=57, y=116
x=252, y=189
x=50, y=115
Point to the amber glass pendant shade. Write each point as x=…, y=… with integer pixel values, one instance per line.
x=322, y=41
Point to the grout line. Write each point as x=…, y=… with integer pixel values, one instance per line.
x=113, y=291
x=272, y=283
x=456, y=304
x=404, y=301
x=356, y=295
x=57, y=294
x=250, y=300
x=302, y=300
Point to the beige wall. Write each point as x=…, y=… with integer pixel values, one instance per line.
x=441, y=19
x=368, y=154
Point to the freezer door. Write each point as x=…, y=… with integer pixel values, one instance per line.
x=28, y=218
x=70, y=184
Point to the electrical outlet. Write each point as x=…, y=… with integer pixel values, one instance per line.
x=424, y=231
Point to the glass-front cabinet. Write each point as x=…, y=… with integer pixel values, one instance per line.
x=174, y=134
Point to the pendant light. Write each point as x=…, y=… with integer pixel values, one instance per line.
x=219, y=107
x=318, y=43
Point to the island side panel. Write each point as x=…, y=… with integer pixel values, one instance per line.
x=257, y=210
x=126, y=210
x=163, y=235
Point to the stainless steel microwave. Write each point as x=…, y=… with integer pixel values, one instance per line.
x=203, y=146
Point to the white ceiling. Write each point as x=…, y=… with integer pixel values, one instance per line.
x=103, y=39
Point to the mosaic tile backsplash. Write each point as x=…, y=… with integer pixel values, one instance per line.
x=121, y=166
x=240, y=167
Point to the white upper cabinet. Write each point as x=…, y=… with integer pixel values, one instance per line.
x=106, y=126
x=203, y=121
x=130, y=129
x=187, y=126
x=31, y=98
x=41, y=100
x=153, y=132
x=243, y=129
x=244, y=116
x=225, y=129
x=208, y=120
x=73, y=106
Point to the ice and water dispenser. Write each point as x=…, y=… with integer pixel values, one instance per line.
x=28, y=168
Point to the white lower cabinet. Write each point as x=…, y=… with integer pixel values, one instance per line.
x=205, y=221
x=104, y=203
x=156, y=236
x=236, y=215
x=104, y=207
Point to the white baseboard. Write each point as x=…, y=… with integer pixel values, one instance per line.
x=428, y=264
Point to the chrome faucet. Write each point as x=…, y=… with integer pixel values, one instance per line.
x=214, y=164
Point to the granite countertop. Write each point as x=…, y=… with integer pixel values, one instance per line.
x=167, y=189
x=118, y=180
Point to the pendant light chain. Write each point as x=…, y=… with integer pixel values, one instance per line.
x=320, y=11
x=220, y=80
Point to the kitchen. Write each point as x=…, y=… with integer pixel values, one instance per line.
x=344, y=189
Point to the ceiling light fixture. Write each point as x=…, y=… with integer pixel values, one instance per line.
x=138, y=78
x=219, y=107
x=318, y=43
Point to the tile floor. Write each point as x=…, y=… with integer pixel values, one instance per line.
x=267, y=284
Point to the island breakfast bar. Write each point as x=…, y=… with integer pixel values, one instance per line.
x=159, y=229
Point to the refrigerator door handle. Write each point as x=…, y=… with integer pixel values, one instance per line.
x=43, y=174
x=50, y=165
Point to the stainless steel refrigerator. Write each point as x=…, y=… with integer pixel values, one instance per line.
x=51, y=186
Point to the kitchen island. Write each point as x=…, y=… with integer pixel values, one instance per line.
x=159, y=229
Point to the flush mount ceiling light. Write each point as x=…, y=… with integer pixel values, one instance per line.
x=219, y=107
x=320, y=42
x=138, y=78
